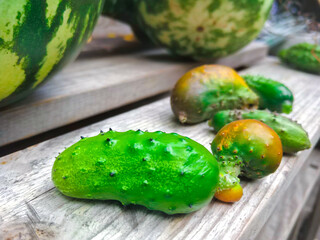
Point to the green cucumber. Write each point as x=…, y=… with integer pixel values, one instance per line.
x=293, y=137
x=303, y=56
x=165, y=172
x=246, y=148
x=273, y=95
x=207, y=89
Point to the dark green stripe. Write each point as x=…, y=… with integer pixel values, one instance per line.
x=79, y=12
x=32, y=37
x=32, y=34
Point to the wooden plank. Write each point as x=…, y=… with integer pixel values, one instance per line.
x=292, y=202
x=314, y=221
x=110, y=37
x=94, y=85
x=109, y=27
x=28, y=197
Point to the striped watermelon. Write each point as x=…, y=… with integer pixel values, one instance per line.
x=37, y=38
x=202, y=28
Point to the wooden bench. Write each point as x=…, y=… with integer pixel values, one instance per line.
x=31, y=208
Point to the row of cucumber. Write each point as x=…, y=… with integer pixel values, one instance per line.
x=204, y=92
x=174, y=174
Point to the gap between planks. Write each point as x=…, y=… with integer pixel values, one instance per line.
x=26, y=176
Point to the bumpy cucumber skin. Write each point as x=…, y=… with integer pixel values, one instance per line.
x=303, y=56
x=293, y=137
x=205, y=90
x=165, y=172
x=247, y=148
x=273, y=95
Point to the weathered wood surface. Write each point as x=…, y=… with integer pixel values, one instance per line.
x=293, y=201
x=95, y=84
x=109, y=27
x=29, y=201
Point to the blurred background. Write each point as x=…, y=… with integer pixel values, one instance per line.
x=115, y=73
x=292, y=22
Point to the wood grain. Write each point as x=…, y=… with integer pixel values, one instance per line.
x=293, y=201
x=28, y=197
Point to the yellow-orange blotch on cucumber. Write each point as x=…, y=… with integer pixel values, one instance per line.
x=207, y=89
x=246, y=148
x=255, y=143
x=231, y=195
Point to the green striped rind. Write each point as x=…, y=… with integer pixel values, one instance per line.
x=203, y=29
x=37, y=38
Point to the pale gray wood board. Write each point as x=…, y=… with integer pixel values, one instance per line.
x=91, y=86
x=293, y=201
x=106, y=26
x=28, y=197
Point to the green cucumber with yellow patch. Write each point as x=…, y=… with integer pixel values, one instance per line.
x=246, y=148
x=293, y=137
x=165, y=172
x=38, y=38
x=207, y=89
